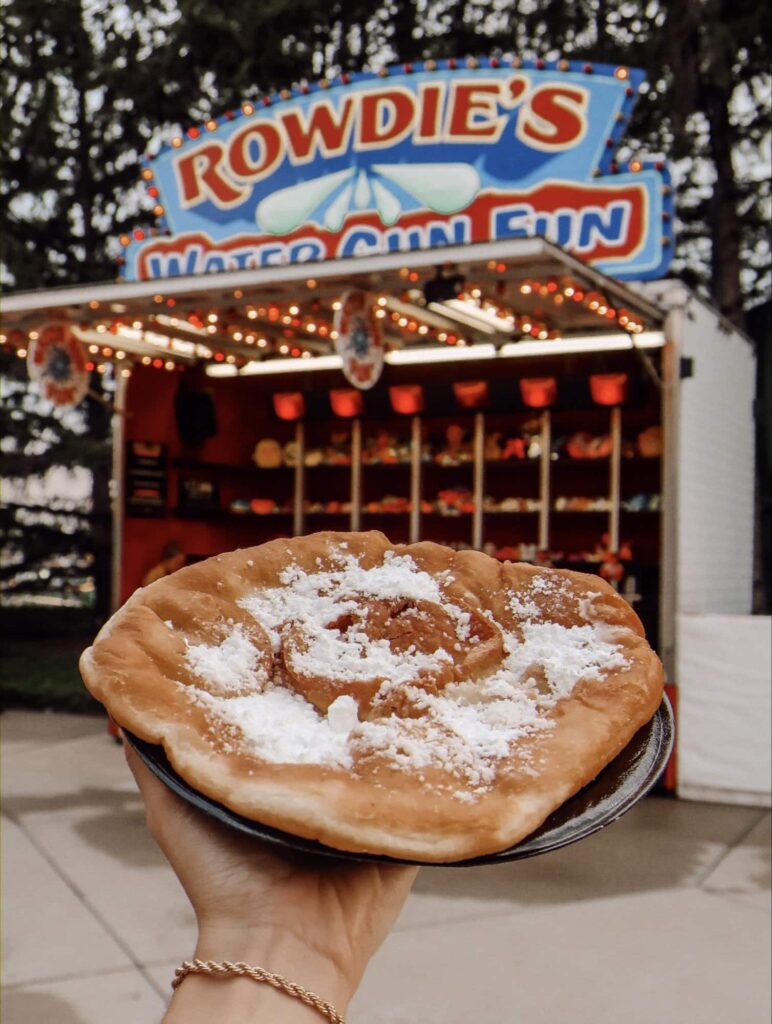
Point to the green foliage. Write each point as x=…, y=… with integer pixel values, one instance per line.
x=48, y=680
x=89, y=86
x=45, y=676
x=50, y=545
x=79, y=112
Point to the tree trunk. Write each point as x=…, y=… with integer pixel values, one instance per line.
x=725, y=225
x=724, y=218
x=84, y=185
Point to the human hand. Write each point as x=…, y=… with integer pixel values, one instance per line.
x=314, y=920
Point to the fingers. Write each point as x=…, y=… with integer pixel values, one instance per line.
x=166, y=813
x=144, y=778
x=161, y=804
x=173, y=823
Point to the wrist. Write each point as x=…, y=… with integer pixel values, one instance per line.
x=284, y=951
x=242, y=1000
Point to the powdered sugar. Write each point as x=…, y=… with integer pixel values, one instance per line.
x=280, y=726
x=553, y=590
x=343, y=715
x=563, y=654
x=319, y=598
x=356, y=657
x=544, y=583
x=230, y=666
x=468, y=729
x=522, y=608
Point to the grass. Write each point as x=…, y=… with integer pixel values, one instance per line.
x=39, y=659
x=49, y=681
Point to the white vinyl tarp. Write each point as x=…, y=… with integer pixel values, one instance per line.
x=724, y=685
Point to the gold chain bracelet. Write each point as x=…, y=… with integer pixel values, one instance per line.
x=225, y=969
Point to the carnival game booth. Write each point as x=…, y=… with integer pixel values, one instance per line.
x=355, y=325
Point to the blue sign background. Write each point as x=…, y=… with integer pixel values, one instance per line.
x=410, y=176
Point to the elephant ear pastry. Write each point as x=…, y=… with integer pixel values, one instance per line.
x=401, y=700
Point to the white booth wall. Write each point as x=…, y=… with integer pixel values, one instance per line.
x=722, y=653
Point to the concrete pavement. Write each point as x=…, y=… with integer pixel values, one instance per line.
x=663, y=916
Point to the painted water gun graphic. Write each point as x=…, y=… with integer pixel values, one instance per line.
x=388, y=189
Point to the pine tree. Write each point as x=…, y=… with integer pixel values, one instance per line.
x=78, y=95
x=717, y=55
x=90, y=85
x=706, y=109
x=48, y=546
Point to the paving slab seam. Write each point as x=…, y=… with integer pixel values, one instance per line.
x=728, y=847
x=735, y=898
x=163, y=991
x=483, y=915
x=87, y=904
x=50, y=979
x=727, y=897
x=10, y=748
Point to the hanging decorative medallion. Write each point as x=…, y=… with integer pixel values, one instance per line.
x=359, y=340
x=57, y=364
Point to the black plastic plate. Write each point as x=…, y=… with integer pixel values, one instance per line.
x=618, y=788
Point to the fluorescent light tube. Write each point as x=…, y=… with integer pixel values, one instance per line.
x=292, y=365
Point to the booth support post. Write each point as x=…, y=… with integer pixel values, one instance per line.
x=479, y=480
x=356, y=475
x=668, y=582
x=298, y=505
x=544, y=481
x=415, y=479
x=615, y=473
x=117, y=497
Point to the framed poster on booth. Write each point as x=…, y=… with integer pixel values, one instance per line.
x=146, y=479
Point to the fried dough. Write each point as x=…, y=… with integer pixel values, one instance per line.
x=401, y=700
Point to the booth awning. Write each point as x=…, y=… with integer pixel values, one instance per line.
x=522, y=292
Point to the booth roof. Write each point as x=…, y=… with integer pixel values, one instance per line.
x=499, y=293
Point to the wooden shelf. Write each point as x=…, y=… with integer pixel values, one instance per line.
x=546, y=477
x=589, y=565
x=579, y=511
x=225, y=513
x=486, y=511
x=386, y=514
x=235, y=469
x=635, y=460
x=194, y=465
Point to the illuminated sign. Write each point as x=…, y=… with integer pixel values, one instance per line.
x=414, y=158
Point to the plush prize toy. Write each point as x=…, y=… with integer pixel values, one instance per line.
x=493, y=448
x=263, y=506
x=611, y=570
x=650, y=442
x=267, y=454
x=456, y=450
x=587, y=446
x=513, y=448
